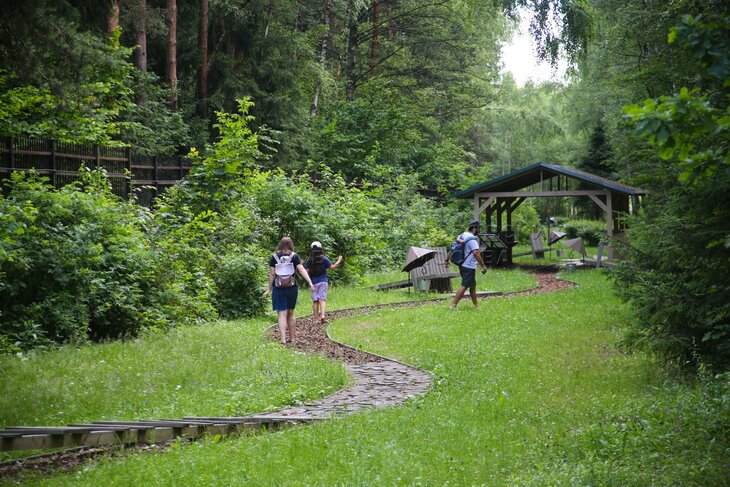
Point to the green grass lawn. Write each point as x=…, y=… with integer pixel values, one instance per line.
x=339, y=297
x=528, y=391
x=222, y=368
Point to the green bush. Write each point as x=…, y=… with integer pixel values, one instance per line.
x=77, y=264
x=591, y=231
x=678, y=274
x=240, y=281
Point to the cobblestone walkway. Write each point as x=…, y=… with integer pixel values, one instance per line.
x=384, y=383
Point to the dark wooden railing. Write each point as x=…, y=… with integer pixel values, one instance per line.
x=60, y=162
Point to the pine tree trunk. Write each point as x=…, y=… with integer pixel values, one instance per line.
x=112, y=20
x=172, y=51
x=352, y=35
x=322, y=58
x=141, y=35
x=375, y=42
x=391, y=29
x=269, y=13
x=203, y=43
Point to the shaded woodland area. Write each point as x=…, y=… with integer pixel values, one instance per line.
x=361, y=104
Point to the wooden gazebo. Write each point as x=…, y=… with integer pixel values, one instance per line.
x=499, y=197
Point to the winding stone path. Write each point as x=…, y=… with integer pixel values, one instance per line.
x=384, y=383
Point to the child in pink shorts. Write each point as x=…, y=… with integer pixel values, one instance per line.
x=317, y=266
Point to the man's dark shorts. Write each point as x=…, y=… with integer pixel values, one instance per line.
x=468, y=277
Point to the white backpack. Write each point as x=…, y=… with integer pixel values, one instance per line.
x=284, y=270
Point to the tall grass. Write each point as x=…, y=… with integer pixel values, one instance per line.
x=223, y=368
x=528, y=391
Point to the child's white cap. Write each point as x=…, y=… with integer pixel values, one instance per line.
x=316, y=245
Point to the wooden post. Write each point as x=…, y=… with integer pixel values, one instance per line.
x=609, y=220
x=11, y=152
x=180, y=164
x=489, y=218
x=128, y=173
x=54, y=169
x=499, y=215
x=509, y=227
x=154, y=173
x=98, y=155
x=508, y=205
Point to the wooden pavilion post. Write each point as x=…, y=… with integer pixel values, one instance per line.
x=609, y=224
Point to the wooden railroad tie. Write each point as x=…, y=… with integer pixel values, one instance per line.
x=100, y=433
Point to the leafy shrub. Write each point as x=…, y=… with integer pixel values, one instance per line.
x=678, y=273
x=339, y=216
x=77, y=264
x=591, y=231
x=240, y=281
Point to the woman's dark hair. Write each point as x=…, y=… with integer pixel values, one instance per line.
x=285, y=243
x=315, y=260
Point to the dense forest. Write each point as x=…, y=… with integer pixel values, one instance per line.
x=351, y=122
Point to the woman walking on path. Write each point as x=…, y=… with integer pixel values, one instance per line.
x=317, y=266
x=283, y=285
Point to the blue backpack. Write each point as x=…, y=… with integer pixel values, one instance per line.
x=458, y=251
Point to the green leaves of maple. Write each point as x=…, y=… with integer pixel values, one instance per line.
x=688, y=126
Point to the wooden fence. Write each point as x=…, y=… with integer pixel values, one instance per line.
x=60, y=162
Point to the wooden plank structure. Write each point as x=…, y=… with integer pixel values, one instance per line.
x=132, y=432
x=434, y=275
x=60, y=161
x=501, y=196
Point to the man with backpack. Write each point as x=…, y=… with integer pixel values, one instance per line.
x=465, y=253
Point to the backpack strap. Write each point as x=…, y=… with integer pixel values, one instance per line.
x=466, y=240
x=278, y=260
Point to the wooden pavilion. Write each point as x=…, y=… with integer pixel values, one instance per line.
x=499, y=197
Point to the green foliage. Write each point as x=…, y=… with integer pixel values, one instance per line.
x=381, y=136
x=678, y=277
x=591, y=231
x=149, y=125
x=77, y=264
x=531, y=124
x=687, y=128
x=524, y=220
x=240, y=281
x=341, y=217
x=88, y=112
x=561, y=27
x=218, y=174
